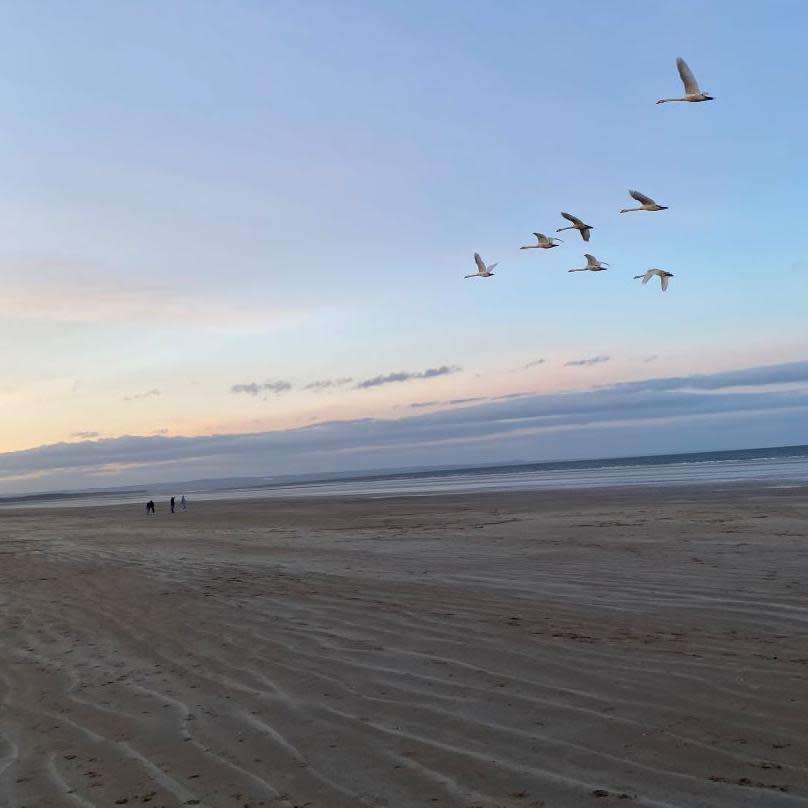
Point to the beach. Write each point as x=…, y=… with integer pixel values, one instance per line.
x=611, y=646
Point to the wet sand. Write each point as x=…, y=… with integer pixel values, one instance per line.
x=641, y=647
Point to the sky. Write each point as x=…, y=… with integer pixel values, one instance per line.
x=233, y=236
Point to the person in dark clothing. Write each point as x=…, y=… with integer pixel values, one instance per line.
x=150, y=507
x=172, y=504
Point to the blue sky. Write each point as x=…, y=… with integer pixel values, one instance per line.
x=205, y=196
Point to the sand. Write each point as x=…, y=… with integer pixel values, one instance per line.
x=642, y=647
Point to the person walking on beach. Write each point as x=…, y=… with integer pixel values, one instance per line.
x=150, y=507
x=172, y=504
x=182, y=502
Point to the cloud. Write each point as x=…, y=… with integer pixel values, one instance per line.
x=326, y=384
x=533, y=364
x=510, y=395
x=767, y=375
x=85, y=435
x=403, y=376
x=147, y=394
x=454, y=401
x=662, y=414
x=253, y=389
x=450, y=403
x=594, y=360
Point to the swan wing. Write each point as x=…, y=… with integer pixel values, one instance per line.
x=585, y=233
x=591, y=261
x=642, y=198
x=688, y=79
x=570, y=218
x=664, y=279
x=479, y=261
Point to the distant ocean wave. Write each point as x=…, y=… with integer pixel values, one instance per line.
x=786, y=465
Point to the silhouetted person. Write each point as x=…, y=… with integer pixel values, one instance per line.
x=183, y=504
x=172, y=504
x=150, y=507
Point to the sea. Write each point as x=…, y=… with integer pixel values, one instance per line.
x=780, y=467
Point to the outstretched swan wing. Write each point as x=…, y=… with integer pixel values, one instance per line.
x=642, y=198
x=688, y=79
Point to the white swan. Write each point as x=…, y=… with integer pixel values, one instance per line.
x=660, y=273
x=577, y=224
x=483, y=271
x=544, y=243
x=592, y=265
x=646, y=203
x=692, y=91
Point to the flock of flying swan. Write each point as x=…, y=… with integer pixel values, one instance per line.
x=692, y=94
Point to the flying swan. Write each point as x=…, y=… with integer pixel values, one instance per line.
x=692, y=91
x=483, y=271
x=577, y=224
x=660, y=273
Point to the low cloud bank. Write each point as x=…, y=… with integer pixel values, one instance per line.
x=658, y=414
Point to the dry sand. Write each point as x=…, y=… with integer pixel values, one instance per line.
x=587, y=648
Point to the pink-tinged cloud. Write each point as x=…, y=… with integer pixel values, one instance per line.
x=68, y=292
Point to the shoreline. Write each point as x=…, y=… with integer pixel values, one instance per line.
x=773, y=466
x=199, y=498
